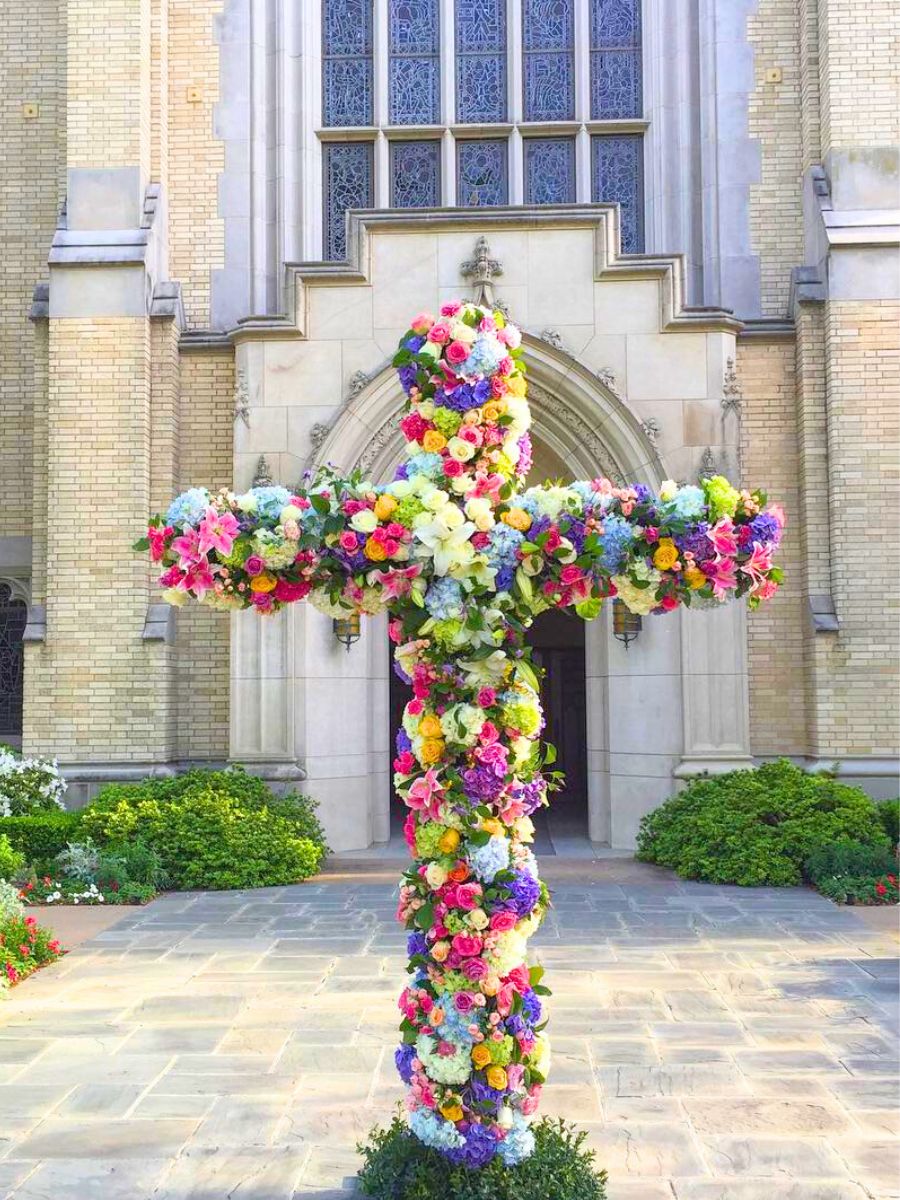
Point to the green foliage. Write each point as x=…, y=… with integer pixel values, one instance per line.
x=889, y=814
x=848, y=858
x=755, y=827
x=212, y=829
x=42, y=836
x=11, y=861
x=398, y=1167
x=867, y=889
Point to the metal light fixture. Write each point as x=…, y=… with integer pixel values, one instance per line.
x=626, y=624
x=346, y=630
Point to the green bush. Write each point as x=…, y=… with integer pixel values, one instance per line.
x=866, y=889
x=889, y=814
x=212, y=829
x=41, y=836
x=11, y=861
x=398, y=1167
x=755, y=827
x=846, y=858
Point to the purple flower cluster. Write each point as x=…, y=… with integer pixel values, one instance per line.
x=416, y=943
x=526, y=455
x=478, y=1150
x=403, y=1057
x=407, y=376
x=465, y=396
x=403, y=741
x=482, y=784
x=765, y=529
x=525, y=891
x=696, y=543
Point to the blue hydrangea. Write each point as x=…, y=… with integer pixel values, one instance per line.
x=765, y=528
x=518, y=1143
x=270, y=501
x=479, y=1147
x=504, y=542
x=188, y=509
x=429, y=465
x=434, y=1130
x=688, y=503
x=444, y=598
x=483, y=359
x=403, y=1057
x=617, y=538
x=490, y=858
x=455, y=1025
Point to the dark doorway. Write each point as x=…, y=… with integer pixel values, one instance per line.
x=13, y=619
x=557, y=642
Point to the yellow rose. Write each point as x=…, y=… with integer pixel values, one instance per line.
x=430, y=726
x=384, y=506
x=264, y=582
x=517, y=518
x=432, y=751
x=492, y=411
x=481, y=1056
x=666, y=555
x=490, y=986
x=516, y=385
x=496, y=1078
x=492, y=825
x=433, y=442
x=374, y=550
x=449, y=842
x=451, y=1112
x=694, y=577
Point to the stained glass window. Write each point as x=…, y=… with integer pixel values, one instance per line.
x=415, y=174
x=348, y=184
x=481, y=173
x=617, y=176
x=549, y=170
x=414, y=77
x=616, y=59
x=480, y=60
x=13, y=619
x=548, y=39
x=347, y=62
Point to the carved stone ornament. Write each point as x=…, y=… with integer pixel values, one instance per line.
x=263, y=476
x=708, y=465
x=378, y=442
x=481, y=270
x=651, y=430
x=318, y=434
x=242, y=397
x=358, y=381
x=732, y=399
x=553, y=338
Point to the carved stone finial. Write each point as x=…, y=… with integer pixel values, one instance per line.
x=241, y=398
x=553, y=338
x=481, y=270
x=651, y=430
x=358, y=381
x=708, y=465
x=263, y=476
x=731, y=390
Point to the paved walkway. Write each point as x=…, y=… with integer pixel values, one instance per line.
x=718, y=1044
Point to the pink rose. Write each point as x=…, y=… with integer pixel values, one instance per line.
x=391, y=547
x=404, y=763
x=480, y=540
x=489, y=732
x=668, y=603
x=499, y=386
x=487, y=698
x=440, y=333
x=464, y=1001
x=451, y=308
x=519, y=978
x=288, y=592
x=262, y=601
x=569, y=575
x=505, y=365
x=457, y=352
x=487, y=324
x=515, y=1073
x=467, y=944
x=465, y=896
x=475, y=969
x=422, y=322
x=505, y=1000
x=502, y=922
x=452, y=468
x=415, y=707
x=493, y=755
x=253, y=566
x=651, y=533
x=348, y=541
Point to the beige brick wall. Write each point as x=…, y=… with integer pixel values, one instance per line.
x=95, y=691
x=776, y=217
x=769, y=453
x=108, y=83
x=859, y=73
x=196, y=156
x=205, y=451
x=32, y=71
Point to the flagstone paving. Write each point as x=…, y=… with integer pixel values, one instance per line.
x=716, y=1043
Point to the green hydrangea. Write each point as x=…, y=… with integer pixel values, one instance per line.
x=240, y=552
x=446, y=421
x=522, y=715
x=455, y=981
x=407, y=511
x=446, y=633
x=501, y=1052
x=454, y=923
x=721, y=497
x=427, y=838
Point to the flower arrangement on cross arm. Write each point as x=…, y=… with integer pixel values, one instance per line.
x=463, y=557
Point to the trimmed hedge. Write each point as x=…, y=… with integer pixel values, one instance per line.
x=756, y=827
x=212, y=829
x=41, y=836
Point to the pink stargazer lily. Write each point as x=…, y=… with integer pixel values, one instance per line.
x=758, y=564
x=723, y=537
x=217, y=532
x=396, y=582
x=725, y=577
x=187, y=547
x=199, y=579
x=426, y=793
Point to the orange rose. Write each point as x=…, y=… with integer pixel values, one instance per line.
x=433, y=442
x=432, y=751
x=374, y=550
x=459, y=874
x=264, y=582
x=517, y=518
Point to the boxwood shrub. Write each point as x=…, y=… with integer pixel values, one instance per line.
x=756, y=827
x=212, y=829
x=42, y=835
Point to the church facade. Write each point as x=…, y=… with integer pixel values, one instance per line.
x=217, y=220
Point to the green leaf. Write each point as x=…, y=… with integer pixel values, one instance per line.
x=549, y=754
x=320, y=504
x=425, y=917
x=524, y=584
x=526, y=671
x=141, y=544
x=535, y=974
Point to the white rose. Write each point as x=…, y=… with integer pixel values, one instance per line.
x=461, y=332
x=435, y=499
x=478, y=919
x=426, y=409
x=460, y=449
x=174, y=597
x=364, y=521
x=668, y=489
x=399, y=488
x=435, y=876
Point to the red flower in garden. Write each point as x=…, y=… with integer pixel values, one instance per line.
x=880, y=888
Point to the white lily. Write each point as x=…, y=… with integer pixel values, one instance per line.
x=449, y=546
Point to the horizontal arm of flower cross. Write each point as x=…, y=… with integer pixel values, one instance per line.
x=463, y=558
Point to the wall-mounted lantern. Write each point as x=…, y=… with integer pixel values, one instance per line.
x=626, y=624
x=346, y=630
